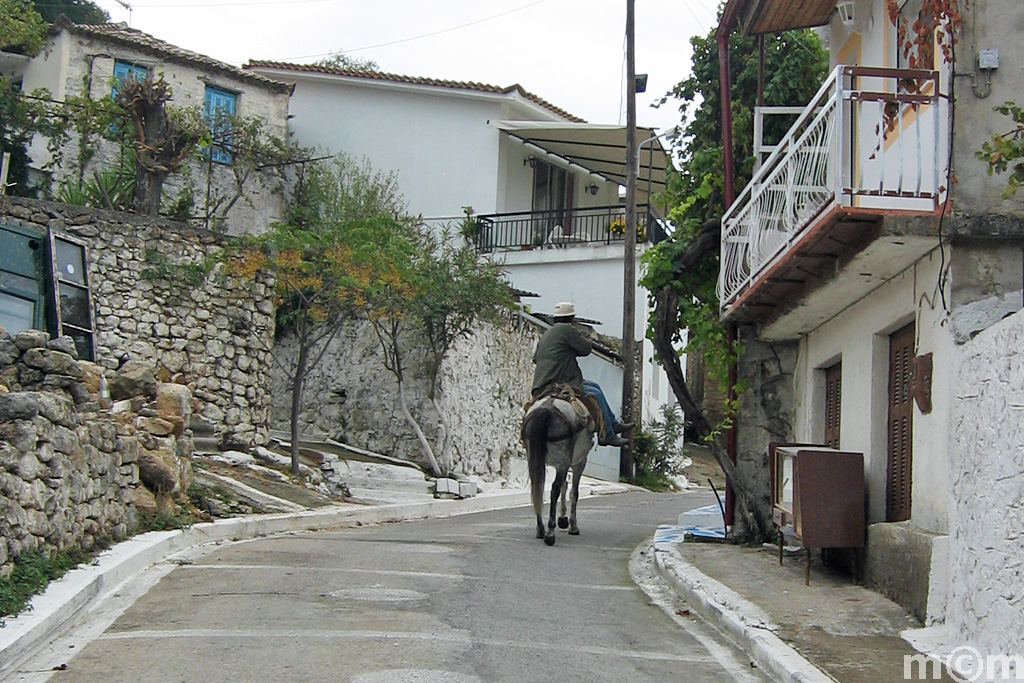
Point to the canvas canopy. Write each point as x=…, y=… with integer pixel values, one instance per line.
x=600, y=149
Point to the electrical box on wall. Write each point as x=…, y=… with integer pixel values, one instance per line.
x=988, y=59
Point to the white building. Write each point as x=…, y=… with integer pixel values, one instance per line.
x=860, y=266
x=544, y=185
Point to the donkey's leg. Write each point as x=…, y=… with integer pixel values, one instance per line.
x=563, y=520
x=577, y=474
x=556, y=489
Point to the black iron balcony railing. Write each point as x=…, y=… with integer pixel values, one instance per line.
x=559, y=228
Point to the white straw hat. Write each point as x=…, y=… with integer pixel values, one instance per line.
x=564, y=309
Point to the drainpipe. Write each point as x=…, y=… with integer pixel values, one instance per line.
x=730, y=16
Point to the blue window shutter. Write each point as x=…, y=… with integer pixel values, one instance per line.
x=123, y=70
x=216, y=104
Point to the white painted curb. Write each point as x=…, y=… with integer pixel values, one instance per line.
x=738, y=617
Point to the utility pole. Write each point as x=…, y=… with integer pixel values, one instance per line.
x=629, y=260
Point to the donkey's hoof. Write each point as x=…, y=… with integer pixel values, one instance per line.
x=540, y=534
x=550, y=540
x=575, y=531
x=563, y=522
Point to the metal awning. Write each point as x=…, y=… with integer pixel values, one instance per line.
x=599, y=149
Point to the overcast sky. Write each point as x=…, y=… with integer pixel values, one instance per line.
x=569, y=52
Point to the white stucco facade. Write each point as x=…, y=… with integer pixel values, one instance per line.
x=987, y=493
x=858, y=337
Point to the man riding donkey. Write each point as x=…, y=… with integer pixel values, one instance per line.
x=555, y=358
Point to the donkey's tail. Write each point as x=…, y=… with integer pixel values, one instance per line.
x=536, y=437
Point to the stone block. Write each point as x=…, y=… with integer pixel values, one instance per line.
x=18, y=406
x=467, y=489
x=898, y=564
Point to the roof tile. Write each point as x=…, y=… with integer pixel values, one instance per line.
x=413, y=80
x=130, y=37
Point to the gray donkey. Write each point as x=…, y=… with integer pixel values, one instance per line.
x=560, y=434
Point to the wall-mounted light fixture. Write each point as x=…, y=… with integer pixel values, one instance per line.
x=592, y=188
x=531, y=160
x=847, y=13
x=853, y=21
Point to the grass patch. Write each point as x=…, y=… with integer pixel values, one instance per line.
x=32, y=573
x=164, y=520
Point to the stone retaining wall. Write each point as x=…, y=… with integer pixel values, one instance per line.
x=486, y=379
x=68, y=476
x=75, y=469
x=986, y=526
x=214, y=337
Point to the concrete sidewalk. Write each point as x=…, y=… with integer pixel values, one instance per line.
x=830, y=630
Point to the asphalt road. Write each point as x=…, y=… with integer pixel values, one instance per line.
x=460, y=600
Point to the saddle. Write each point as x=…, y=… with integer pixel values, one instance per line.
x=584, y=404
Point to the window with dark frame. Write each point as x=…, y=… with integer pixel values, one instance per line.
x=44, y=285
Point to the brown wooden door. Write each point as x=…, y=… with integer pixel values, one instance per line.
x=833, y=402
x=900, y=423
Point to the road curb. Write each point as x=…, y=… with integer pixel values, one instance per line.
x=736, y=616
x=72, y=595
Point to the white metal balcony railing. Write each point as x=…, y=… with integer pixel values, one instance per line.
x=870, y=139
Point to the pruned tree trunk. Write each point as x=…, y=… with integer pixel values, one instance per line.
x=149, y=179
x=666, y=305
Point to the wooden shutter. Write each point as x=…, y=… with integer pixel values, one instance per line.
x=900, y=423
x=833, y=402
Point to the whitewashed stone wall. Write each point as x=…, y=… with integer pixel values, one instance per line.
x=986, y=539
x=351, y=398
x=214, y=338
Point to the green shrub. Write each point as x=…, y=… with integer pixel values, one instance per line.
x=658, y=450
x=33, y=571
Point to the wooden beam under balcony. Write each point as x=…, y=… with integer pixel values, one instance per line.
x=773, y=16
x=848, y=250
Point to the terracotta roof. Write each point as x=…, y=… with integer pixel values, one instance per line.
x=413, y=80
x=120, y=33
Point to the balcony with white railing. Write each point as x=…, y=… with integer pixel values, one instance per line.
x=870, y=145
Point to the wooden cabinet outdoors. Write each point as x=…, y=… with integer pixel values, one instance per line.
x=817, y=497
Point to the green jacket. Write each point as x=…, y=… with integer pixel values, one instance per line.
x=556, y=356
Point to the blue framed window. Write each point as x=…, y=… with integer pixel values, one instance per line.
x=219, y=104
x=123, y=70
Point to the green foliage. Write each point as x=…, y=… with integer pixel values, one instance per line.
x=795, y=66
x=1004, y=151
x=340, y=60
x=112, y=188
x=658, y=450
x=453, y=290
x=78, y=11
x=159, y=267
x=33, y=571
x=21, y=27
x=20, y=119
x=179, y=518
